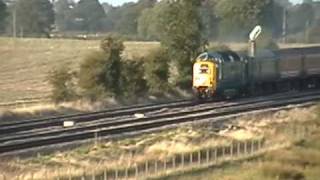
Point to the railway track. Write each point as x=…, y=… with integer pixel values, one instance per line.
x=113, y=126
x=23, y=125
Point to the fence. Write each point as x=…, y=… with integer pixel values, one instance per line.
x=236, y=150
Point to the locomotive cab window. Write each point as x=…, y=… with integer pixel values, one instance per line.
x=204, y=69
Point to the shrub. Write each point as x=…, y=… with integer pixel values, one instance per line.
x=99, y=74
x=157, y=71
x=61, y=80
x=133, y=84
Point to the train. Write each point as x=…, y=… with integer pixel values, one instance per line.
x=231, y=74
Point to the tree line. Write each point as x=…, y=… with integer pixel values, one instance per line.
x=220, y=19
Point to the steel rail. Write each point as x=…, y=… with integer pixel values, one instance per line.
x=102, y=123
x=156, y=123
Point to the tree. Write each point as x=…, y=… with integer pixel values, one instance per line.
x=157, y=71
x=125, y=18
x=238, y=18
x=301, y=16
x=63, y=10
x=88, y=15
x=3, y=15
x=180, y=27
x=100, y=71
x=35, y=17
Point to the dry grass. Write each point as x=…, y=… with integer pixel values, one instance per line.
x=25, y=63
x=120, y=153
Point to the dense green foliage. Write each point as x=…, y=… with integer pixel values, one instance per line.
x=63, y=14
x=35, y=17
x=239, y=18
x=61, y=80
x=3, y=15
x=157, y=71
x=133, y=84
x=88, y=16
x=180, y=27
x=100, y=71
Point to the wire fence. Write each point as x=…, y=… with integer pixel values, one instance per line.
x=236, y=150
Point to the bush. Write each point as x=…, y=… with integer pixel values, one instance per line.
x=99, y=74
x=61, y=80
x=133, y=84
x=157, y=71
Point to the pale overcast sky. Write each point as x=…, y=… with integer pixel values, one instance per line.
x=120, y=2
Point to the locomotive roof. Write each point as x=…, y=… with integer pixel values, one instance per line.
x=222, y=56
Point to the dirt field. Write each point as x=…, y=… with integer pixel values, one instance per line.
x=25, y=63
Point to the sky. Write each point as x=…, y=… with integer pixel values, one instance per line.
x=120, y=2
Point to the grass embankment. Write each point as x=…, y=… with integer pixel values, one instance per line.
x=299, y=161
x=277, y=128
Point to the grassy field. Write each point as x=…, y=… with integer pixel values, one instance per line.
x=25, y=63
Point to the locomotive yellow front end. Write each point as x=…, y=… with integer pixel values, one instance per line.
x=204, y=78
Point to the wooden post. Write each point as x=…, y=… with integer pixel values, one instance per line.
x=216, y=155
x=259, y=144
x=156, y=167
x=174, y=162
x=199, y=157
x=223, y=151
x=182, y=159
x=245, y=148
x=238, y=148
x=231, y=150
x=137, y=171
x=165, y=164
x=207, y=156
x=252, y=146
x=105, y=175
x=116, y=174
x=126, y=173
x=147, y=167
x=191, y=157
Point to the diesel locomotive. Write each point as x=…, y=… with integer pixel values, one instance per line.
x=229, y=74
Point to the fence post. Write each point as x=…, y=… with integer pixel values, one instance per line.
x=207, y=156
x=223, y=151
x=199, y=157
x=259, y=144
x=238, y=148
x=165, y=164
x=252, y=146
x=156, y=167
x=136, y=171
x=216, y=155
x=231, y=150
x=116, y=174
x=191, y=158
x=146, y=168
x=182, y=159
x=245, y=147
x=126, y=173
x=105, y=175
x=93, y=175
x=174, y=161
